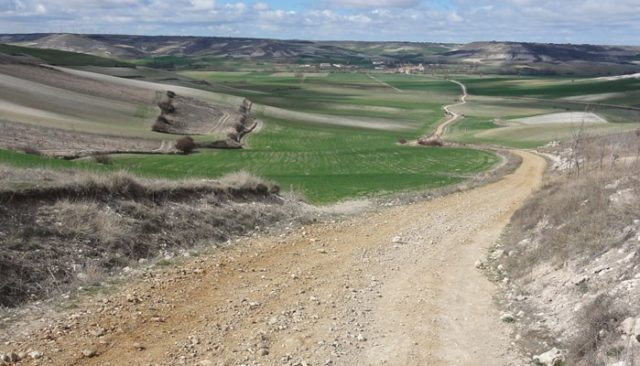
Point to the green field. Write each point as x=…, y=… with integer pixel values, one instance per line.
x=329, y=136
x=495, y=101
x=325, y=163
x=333, y=136
x=549, y=88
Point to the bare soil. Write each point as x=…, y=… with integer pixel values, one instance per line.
x=65, y=143
x=59, y=79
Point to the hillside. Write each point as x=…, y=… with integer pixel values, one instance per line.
x=503, y=57
x=515, y=52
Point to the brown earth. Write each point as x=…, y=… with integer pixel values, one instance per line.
x=50, y=76
x=396, y=287
x=57, y=142
x=66, y=113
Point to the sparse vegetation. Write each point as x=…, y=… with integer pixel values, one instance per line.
x=31, y=151
x=103, y=159
x=114, y=220
x=581, y=230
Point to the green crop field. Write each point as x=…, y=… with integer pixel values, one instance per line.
x=329, y=136
x=550, y=88
x=495, y=101
x=325, y=163
x=333, y=136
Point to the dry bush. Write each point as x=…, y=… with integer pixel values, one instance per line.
x=598, y=329
x=31, y=150
x=103, y=159
x=579, y=217
x=244, y=180
x=167, y=107
x=56, y=241
x=239, y=127
x=87, y=219
x=431, y=141
x=234, y=136
x=161, y=125
x=186, y=145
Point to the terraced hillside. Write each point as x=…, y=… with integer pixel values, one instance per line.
x=57, y=111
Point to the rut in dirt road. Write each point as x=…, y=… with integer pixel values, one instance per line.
x=395, y=287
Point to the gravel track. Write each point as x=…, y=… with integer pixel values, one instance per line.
x=397, y=286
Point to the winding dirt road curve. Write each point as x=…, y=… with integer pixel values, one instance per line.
x=394, y=287
x=452, y=115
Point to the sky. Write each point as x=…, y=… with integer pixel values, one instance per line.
x=455, y=21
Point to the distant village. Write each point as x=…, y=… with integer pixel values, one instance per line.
x=377, y=65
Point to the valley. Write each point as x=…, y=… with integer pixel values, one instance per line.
x=170, y=200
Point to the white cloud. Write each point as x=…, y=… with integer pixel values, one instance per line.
x=40, y=9
x=203, y=4
x=454, y=17
x=375, y=3
x=577, y=21
x=261, y=6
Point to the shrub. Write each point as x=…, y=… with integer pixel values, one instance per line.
x=432, y=141
x=31, y=150
x=402, y=141
x=233, y=136
x=186, y=145
x=167, y=107
x=103, y=159
x=600, y=320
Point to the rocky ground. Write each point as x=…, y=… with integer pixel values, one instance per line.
x=569, y=266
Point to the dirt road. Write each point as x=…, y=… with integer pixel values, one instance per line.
x=395, y=287
x=452, y=116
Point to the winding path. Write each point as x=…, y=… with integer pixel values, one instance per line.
x=453, y=116
x=393, y=287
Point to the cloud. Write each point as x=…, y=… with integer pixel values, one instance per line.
x=203, y=4
x=576, y=21
x=261, y=6
x=375, y=3
x=41, y=9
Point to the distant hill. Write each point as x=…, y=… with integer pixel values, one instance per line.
x=502, y=57
x=515, y=52
x=18, y=54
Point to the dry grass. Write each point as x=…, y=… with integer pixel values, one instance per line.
x=580, y=219
x=600, y=320
x=80, y=227
x=245, y=180
x=573, y=214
